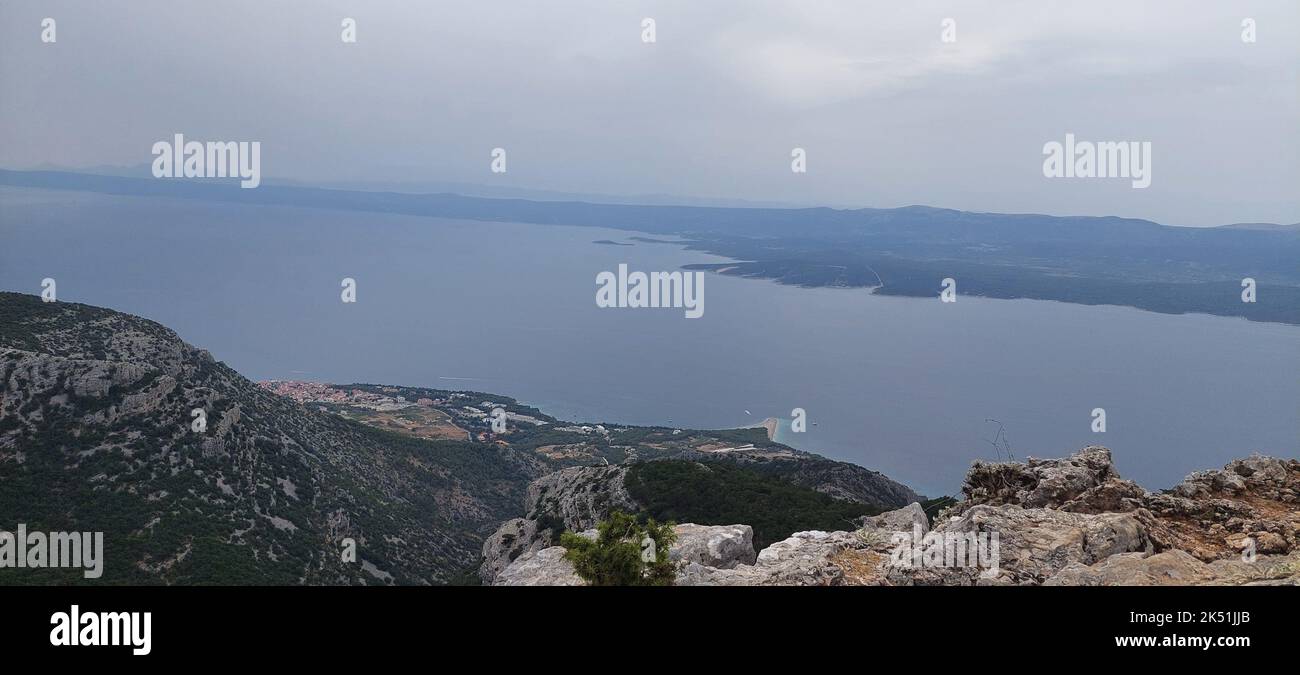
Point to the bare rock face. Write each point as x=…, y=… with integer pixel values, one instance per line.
x=514, y=538
x=1252, y=503
x=580, y=496
x=1265, y=477
x=1074, y=521
x=1170, y=568
x=1179, y=568
x=804, y=559
x=1085, y=482
x=1264, y=570
x=573, y=499
x=546, y=567
x=720, y=546
x=1032, y=545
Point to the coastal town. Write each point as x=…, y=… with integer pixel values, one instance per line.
x=317, y=392
x=469, y=416
x=423, y=413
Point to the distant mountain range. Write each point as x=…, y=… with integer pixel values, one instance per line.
x=904, y=251
x=1263, y=226
x=415, y=186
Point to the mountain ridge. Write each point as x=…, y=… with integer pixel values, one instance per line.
x=97, y=435
x=53, y=173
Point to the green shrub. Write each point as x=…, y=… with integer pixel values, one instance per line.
x=614, y=558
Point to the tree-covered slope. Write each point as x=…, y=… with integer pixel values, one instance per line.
x=725, y=493
x=97, y=434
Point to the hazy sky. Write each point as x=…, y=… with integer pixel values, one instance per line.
x=888, y=113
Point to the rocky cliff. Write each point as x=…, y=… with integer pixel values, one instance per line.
x=1071, y=521
x=574, y=499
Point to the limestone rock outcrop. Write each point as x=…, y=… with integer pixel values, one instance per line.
x=1068, y=521
x=573, y=499
x=719, y=546
x=544, y=567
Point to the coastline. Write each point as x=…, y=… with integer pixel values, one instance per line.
x=773, y=425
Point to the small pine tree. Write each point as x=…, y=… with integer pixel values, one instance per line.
x=614, y=557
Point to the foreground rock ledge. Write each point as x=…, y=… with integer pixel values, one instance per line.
x=1060, y=522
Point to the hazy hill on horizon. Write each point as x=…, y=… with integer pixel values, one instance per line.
x=905, y=251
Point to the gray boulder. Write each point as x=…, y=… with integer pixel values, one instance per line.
x=898, y=520
x=546, y=567
x=720, y=546
x=804, y=559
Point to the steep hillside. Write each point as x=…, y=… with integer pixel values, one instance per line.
x=97, y=434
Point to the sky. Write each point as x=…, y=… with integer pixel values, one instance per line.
x=888, y=113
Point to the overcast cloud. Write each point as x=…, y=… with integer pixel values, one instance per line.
x=889, y=114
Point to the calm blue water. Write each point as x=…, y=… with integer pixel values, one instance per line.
x=900, y=385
